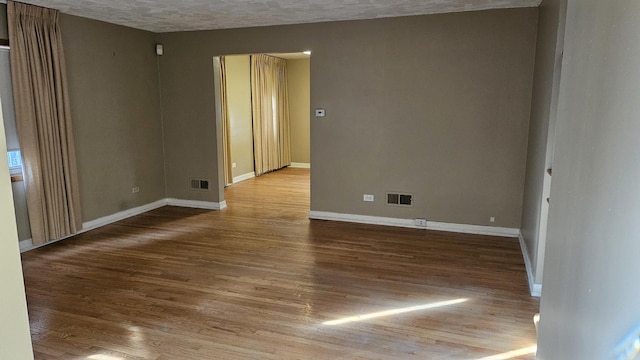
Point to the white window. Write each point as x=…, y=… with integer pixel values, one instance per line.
x=15, y=161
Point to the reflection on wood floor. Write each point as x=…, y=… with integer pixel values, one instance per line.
x=259, y=280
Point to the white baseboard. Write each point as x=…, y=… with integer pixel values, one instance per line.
x=534, y=288
x=409, y=223
x=105, y=220
x=26, y=245
x=197, y=204
x=363, y=219
x=247, y=176
x=297, y=165
x=473, y=229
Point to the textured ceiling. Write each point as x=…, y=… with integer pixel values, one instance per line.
x=182, y=15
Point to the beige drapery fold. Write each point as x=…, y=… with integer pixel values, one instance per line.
x=270, y=103
x=226, y=125
x=43, y=118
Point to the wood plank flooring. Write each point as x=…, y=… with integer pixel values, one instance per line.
x=258, y=280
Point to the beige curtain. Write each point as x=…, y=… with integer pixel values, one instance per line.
x=270, y=102
x=226, y=125
x=43, y=118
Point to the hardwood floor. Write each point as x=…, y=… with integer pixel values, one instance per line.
x=259, y=280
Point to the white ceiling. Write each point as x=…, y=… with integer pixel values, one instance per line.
x=183, y=15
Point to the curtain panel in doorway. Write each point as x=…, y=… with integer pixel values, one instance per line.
x=270, y=102
x=226, y=123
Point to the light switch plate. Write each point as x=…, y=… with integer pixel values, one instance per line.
x=319, y=112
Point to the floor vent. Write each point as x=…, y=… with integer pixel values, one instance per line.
x=397, y=199
x=199, y=184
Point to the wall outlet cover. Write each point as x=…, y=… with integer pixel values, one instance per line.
x=420, y=222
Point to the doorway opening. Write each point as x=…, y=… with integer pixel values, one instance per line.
x=251, y=146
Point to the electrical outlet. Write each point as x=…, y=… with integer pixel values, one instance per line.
x=420, y=222
x=233, y=165
x=492, y=219
x=135, y=190
x=368, y=198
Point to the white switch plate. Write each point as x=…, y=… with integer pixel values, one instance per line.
x=492, y=219
x=367, y=197
x=233, y=165
x=319, y=113
x=135, y=190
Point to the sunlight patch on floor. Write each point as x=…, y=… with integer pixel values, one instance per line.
x=103, y=357
x=393, y=312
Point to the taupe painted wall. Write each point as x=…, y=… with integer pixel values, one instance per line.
x=14, y=327
x=434, y=105
x=546, y=81
x=299, y=109
x=590, y=297
x=4, y=32
x=115, y=105
x=6, y=93
x=192, y=145
x=239, y=105
x=11, y=133
x=21, y=212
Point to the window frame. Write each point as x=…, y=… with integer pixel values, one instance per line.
x=17, y=169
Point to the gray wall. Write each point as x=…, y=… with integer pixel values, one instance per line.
x=4, y=32
x=299, y=109
x=8, y=113
x=239, y=107
x=590, y=299
x=192, y=145
x=115, y=105
x=550, y=37
x=6, y=93
x=434, y=105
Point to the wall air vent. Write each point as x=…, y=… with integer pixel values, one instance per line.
x=397, y=199
x=199, y=184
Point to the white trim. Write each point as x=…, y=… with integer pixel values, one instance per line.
x=473, y=229
x=409, y=223
x=197, y=204
x=363, y=219
x=296, y=165
x=534, y=288
x=247, y=176
x=106, y=220
x=26, y=245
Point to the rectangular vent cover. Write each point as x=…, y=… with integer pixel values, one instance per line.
x=397, y=199
x=199, y=184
